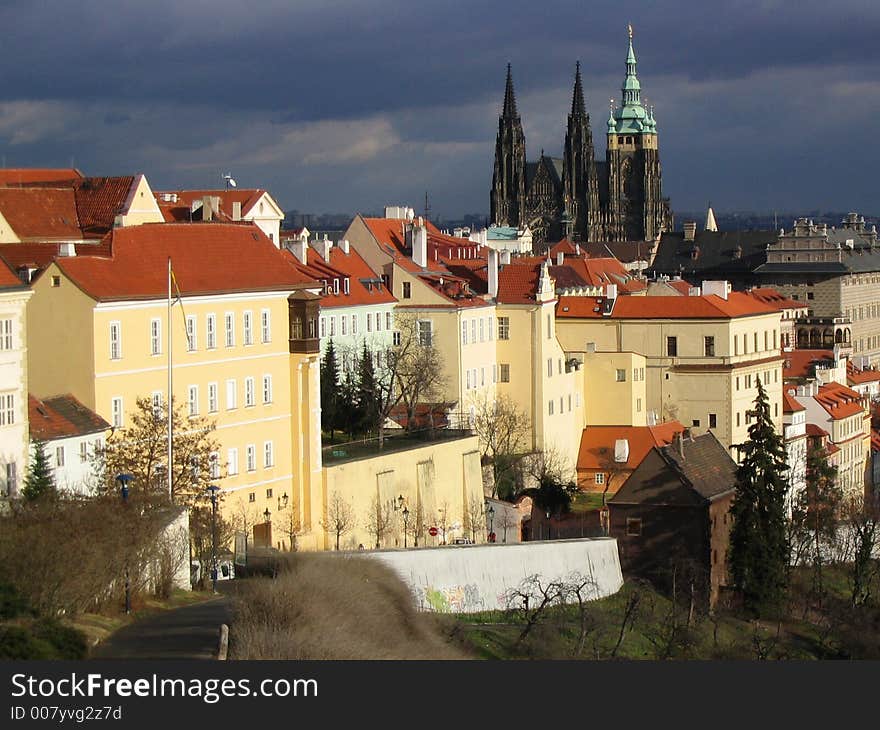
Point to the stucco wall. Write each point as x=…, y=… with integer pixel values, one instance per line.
x=469, y=578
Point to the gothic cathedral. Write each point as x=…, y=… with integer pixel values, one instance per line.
x=619, y=199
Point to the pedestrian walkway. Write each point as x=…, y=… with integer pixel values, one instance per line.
x=191, y=632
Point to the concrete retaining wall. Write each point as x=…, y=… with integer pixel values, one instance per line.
x=469, y=578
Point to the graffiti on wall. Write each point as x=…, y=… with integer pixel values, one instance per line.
x=450, y=599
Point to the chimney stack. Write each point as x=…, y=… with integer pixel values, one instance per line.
x=493, y=273
x=207, y=209
x=560, y=258
x=344, y=245
x=505, y=257
x=236, y=210
x=323, y=248
x=298, y=248
x=690, y=230
x=420, y=245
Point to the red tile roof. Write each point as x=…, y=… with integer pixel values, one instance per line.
x=839, y=401
x=816, y=431
x=61, y=416
x=708, y=306
x=25, y=175
x=41, y=213
x=180, y=210
x=681, y=286
x=597, y=443
x=604, y=271
x=40, y=255
x=774, y=298
x=790, y=404
x=854, y=376
x=801, y=363
x=365, y=287
x=207, y=259
x=8, y=279
x=518, y=284
x=390, y=231
x=99, y=200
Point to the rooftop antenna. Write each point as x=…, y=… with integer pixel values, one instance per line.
x=230, y=181
x=427, y=214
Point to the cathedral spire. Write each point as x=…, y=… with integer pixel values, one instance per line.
x=631, y=88
x=578, y=107
x=509, y=111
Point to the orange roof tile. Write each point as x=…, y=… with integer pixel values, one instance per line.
x=597, y=443
x=41, y=213
x=790, y=404
x=801, y=363
x=839, y=401
x=61, y=416
x=8, y=279
x=708, y=306
x=770, y=296
x=365, y=287
x=180, y=210
x=207, y=259
x=25, y=175
x=518, y=284
x=854, y=376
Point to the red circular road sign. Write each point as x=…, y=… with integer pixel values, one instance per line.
x=433, y=532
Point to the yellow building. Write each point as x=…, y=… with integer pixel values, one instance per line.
x=703, y=355
x=244, y=343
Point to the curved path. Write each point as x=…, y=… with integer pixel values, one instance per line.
x=191, y=632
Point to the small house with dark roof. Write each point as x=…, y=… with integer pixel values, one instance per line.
x=671, y=515
x=72, y=434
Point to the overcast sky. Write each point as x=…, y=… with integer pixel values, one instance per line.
x=346, y=105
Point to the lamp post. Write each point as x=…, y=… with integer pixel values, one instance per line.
x=405, y=524
x=282, y=502
x=212, y=491
x=124, y=480
x=548, y=524
x=491, y=515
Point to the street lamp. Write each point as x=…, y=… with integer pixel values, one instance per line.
x=124, y=480
x=282, y=502
x=491, y=515
x=400, y=502
x=212, y=491
x=548, y=524
x=405, y=524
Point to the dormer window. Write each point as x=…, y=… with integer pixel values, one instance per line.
x=346, y=285
x=336, y=286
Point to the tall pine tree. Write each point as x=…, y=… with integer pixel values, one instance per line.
x=758, y=554
x=369, y=394
x=329, y=390
x=39, y=482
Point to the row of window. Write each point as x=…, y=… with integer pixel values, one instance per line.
x=350, y=324
x=61, y=455
x=250, y=459
x=765, y=378
x=500, y=374
x=230, y=338
x=551, y=404
x=749, y=415
x=637, y=376
x=709, y=343
x=7, y=409
x=5, y=334
x=482, y=327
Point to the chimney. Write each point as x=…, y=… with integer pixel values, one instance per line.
x=207, y=210
x=236, y=211
x=298, y=248
x=621, y=451
x=67, y=249
x=611, y=291
x=679, y=437
x=343, y=244
x=505, y=257
x=323, y=247
x=690, y=230
x=420, y=246
x=577, y=249
x=560, y=258
x=719, y=288
x=493, y=273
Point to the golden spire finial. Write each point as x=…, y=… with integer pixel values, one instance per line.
x=629, y=30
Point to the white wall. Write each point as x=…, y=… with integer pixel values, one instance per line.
x=469, y=578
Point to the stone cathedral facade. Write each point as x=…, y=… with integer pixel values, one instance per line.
x=576, y=196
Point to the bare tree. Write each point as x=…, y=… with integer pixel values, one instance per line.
x=245, y=519
x=291, y=524
x=475, y=518
x=531, y=599
x=443, y=521
x=201, y=532
x=415, y=523
x=862, y=517
x=508, y=521
x=141, y=450
x=503, y=430
x=340, y=517
x=580, y=589
x=378, y=520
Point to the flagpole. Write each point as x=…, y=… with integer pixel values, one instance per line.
x=170, y=400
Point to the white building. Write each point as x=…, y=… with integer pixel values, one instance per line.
x=13, y=381
x=794, y=419
x=71, y=434
x=504, y=238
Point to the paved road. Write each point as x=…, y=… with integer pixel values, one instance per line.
x=191, y=632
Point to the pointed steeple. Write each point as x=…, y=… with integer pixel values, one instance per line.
x=711, y=225
x=578, y=107
x=509, y=111
x=631, y=88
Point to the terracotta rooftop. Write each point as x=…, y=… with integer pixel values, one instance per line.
x=597, y=443
x=365, y=286
x=774, y=298
x=816, y=431
x=99, y=200
x=802, y=363
x=180, y=210
x=41, y=213
x=839, y=401
x=207, y=259
x=708, y=306
x=62, y=416
x=854, y=376
x=8, y=279
x=39, y=255
x=25, y=175
x=790, y=404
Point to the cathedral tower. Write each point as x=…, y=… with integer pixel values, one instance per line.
x=509, y=179
x=580, y=183
x=636, y=209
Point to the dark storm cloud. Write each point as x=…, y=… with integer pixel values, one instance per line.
x=347, y=104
